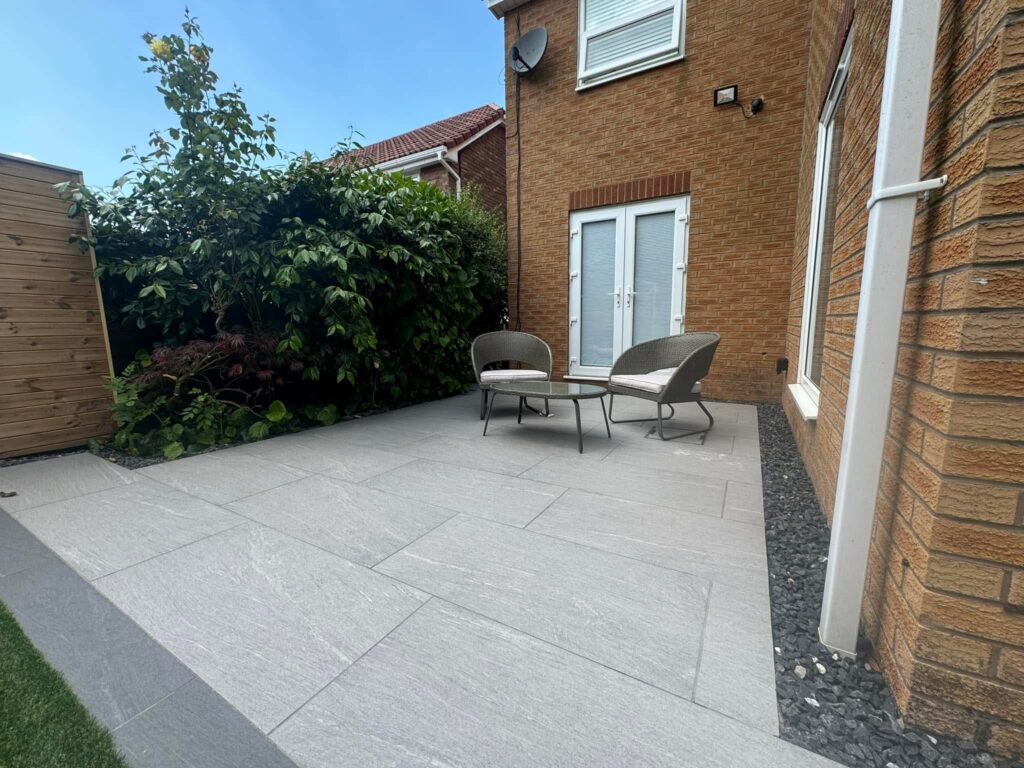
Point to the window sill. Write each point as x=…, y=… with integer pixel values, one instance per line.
x=804, y=402
x=583, y=84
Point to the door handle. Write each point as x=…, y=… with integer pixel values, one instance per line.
x=617, y=293
x=630, y=293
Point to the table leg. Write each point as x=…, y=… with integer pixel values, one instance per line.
x=521, y=401
x=490, y=406
x=607, y=428
x=579, y=427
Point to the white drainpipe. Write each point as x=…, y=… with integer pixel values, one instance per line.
x=441, y=158
x=906, y=91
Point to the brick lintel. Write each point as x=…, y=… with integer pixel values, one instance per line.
x=665, y=185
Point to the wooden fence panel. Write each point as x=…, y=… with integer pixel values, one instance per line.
x=54, y=349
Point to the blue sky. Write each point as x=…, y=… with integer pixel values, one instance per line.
x=75, y=93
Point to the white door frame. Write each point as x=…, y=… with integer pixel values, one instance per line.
x=625, y=217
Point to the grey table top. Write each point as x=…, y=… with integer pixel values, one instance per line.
x=555, y=390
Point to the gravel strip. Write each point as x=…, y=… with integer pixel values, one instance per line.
x=840, y=708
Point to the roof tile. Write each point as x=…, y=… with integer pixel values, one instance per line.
x=449, y=133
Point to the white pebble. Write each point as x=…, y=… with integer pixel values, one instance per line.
x=800, y=671
x=821, y=668
x=812, y=702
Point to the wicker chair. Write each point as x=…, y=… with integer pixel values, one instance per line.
x=509, y=347
x=665, y=371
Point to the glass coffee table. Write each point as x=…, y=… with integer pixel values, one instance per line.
x=550, y=390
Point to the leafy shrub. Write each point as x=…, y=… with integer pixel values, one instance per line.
x=282, y=294
x=317, y=288
x=202, y=393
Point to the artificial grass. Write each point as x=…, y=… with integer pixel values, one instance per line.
x=42, y=723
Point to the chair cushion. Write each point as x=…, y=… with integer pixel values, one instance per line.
x=654, y=381
x=512, y=374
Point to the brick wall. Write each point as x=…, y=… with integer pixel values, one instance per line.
x=439, y=176
x=944, y=602
x=483, y=163
x=742, y=174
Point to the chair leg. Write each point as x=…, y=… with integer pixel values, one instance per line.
x=490, y=407
x=483, y=403
x=519, y=420
x=611, y=406
x=702, y=432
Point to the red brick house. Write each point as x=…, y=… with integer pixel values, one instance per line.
x=467, y=148
x=647, y=208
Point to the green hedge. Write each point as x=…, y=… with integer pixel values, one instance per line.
x=303, y=290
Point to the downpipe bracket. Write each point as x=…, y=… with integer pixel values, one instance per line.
x=903, y=190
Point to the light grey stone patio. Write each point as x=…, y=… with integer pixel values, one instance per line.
x=399, y=590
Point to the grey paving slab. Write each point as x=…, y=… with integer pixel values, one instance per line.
x=113, y=529
x=19, y=549
x=634, y=617
x=744, y=502
x=709, y=547
x=747, y=446
x=737, y=672
x=493, y=453
x=358, y=523
x=62, y=477
x=510, y=500
x=372, y=432
x=222, y=476
x=265, y=619
x=552, y=438
x=318, y=452
x=196, y=728
x=637, y=483
x=114, y=667
x=694, y=461
x=431, y=423
x=450, y=688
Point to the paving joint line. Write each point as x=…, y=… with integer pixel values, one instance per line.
x=350, y=665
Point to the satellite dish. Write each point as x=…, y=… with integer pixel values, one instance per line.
x=528, y=50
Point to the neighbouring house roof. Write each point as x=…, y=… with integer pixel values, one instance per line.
x=447, y=134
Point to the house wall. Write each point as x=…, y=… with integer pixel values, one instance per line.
x=944, y=603
x=657, y=133
x=483, y=163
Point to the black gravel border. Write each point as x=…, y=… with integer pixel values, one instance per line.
x=839, y=708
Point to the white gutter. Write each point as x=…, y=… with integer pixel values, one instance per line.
x=412, y=162
x=500, y=7
x=906, y=92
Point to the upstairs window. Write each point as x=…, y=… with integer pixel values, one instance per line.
x=620, y=37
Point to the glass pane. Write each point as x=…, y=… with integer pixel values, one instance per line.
x=631, y=41
x=597, y=281
x=652, y=304
x=819, y=308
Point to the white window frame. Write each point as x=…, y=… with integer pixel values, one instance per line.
x=628, y=65
x=806, y=393
x=625, y=217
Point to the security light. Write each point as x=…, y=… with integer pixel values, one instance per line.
x=727, y=95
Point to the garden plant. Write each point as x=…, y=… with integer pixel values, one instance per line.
x=280, y=290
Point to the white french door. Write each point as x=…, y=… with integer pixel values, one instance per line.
x=627, y=279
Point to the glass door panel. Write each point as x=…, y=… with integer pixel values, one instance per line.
x=598, y=293
x=650, y=295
